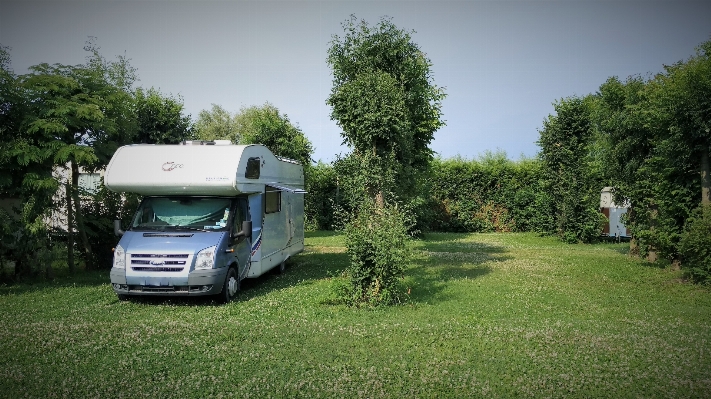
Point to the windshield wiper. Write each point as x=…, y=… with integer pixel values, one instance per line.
x=188, y=228
x=138, y=228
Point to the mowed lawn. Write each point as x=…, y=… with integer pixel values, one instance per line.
x=489, y=315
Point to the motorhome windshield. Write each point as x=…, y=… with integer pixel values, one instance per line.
x=182, y=213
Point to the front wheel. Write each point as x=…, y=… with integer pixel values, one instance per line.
x=230, y=287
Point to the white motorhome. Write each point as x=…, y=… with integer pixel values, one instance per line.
x=212, y=214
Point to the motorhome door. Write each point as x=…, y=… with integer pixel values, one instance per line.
x=240, y=245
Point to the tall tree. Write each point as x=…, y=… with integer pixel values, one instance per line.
x=79, y=115
x=565, y=142
x=658, y=133
x=385, y=101
x=388, y=107
x=12, y=112
x=22, y=222
x=216, y=124
x=684, y=98
x=631, y=135
x=160, y=118
x=266, y=125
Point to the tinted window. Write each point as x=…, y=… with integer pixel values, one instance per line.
x=253, y=167
x=273, y=202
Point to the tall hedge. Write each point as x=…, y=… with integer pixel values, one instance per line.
x=492, y=193
x=489, y=194
x=566, y=140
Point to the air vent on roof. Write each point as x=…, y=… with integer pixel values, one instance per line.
x=203, y=142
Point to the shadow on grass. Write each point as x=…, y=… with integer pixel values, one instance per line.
x=445, y=260
x=622, y=250
x=303, y=268
x=80, y=279
x=321, y=234
x=438, y=260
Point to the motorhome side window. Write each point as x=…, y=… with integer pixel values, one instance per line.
x=273, y=201
x=253, y=166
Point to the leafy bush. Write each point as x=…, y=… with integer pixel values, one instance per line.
x=488, y=194
x=377, y=243
x=100, y=209
x=8, y=239
x=322, y=198
x=567, y=145
x=695, y=245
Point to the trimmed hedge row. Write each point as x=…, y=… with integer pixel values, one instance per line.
x=489, y=194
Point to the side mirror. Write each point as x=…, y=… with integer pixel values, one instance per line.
x=117, y=228
x=246, y=230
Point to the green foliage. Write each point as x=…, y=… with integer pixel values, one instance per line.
x=267, y=126
x=11, y=114
x=683, y=99
x=565, y=142
x=488, y=194
x=321, y=202
x=377, y=242
x=100, y=209
x=77, y=113
x=59, y=116
x=384, y=99
x=160, y=118
x=256, y=125
x=695, y=245
x=216, y=124
x=8, y=241
x=657, y=133
x=491, y=193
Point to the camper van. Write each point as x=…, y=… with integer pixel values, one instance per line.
x=212, y=215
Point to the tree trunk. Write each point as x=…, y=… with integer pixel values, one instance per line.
x=81, y=228
x=70, y=228
x=634, y=245
x=705, y=178
x=651, y=249
x=379, y=197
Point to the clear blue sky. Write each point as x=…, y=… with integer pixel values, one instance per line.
x=503, y=63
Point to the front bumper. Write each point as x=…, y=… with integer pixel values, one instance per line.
x=200, y=282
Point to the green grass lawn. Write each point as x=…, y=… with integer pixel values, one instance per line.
x=489, y=315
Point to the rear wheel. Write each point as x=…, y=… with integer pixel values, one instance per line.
x=282, y=268
x=231, y=286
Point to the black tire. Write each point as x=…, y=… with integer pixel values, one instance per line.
x=230, y=288
x=281, y=269
x=122, y=297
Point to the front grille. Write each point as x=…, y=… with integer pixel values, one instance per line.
x=159, y=262
x=165, y=262
x=152, y=288
x=157, y=269
x=183, y=256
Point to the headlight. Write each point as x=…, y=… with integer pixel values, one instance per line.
x=205, y=258
x=119, y=258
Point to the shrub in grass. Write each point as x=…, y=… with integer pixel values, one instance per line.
x=695, y=245
x=377, y=244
